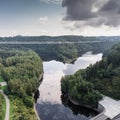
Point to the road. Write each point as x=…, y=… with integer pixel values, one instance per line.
x=7, y=114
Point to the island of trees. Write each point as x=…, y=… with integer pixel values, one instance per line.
x=86, y=86
x=21, y=70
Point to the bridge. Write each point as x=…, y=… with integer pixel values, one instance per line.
x=111, y=109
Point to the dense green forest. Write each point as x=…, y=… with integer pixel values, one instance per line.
x=103, y=77
x=21, y=71
x=60, y=50
x=80, y=91
x=69, y=38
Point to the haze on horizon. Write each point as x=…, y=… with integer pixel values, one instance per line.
x=60, y=17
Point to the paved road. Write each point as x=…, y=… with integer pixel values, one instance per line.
x=7, y=114
x=100, y=117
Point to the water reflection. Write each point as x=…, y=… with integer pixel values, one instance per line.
x=48, y=111
x=82, y=62
x=36, y=95
x=76, y=109
x=50, y=105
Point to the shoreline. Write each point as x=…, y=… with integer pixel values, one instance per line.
x=34, y=107
x=36, y=112
x=40, y=78
x=100, y=109
x=76, y=103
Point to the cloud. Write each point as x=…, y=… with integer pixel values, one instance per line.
x=52, y=1
x=111, y=13
x=68, y=25
x=78, y=9
x=44, y=32
x=43, y=20
x=92, y=12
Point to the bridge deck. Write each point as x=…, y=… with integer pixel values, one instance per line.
x=100, y=117
x=112, y=107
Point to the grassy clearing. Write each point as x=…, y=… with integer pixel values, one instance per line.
x=1, y=79
x=4, y=87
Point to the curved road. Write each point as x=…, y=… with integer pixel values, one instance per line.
x=7, y=105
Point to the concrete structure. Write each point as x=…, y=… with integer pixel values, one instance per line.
x=111, y=109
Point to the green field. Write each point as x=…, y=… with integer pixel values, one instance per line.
x=5, y=88
x=1, y=79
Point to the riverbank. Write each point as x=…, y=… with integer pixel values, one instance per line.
x=100, y=109
x=108, y=108
x=36, y=112
x=76, y=103
x=41, y=77
x=36, y=96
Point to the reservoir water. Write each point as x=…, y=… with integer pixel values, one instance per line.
x=51, y=105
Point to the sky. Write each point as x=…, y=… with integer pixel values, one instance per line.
x=60, y=17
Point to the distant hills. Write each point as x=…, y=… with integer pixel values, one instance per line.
x=60, y=38
x=61, y=48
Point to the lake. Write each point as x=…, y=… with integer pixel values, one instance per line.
x=50, y=104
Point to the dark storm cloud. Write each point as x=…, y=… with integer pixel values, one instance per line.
x=78, y=9
x=112, y=5
x=93, y=12
x=111, y=13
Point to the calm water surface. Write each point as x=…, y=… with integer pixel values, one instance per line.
x=51, y=105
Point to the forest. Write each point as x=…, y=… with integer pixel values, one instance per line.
x=21, y=70
x=20, y=67
x=90, y=84
x=65, y=52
